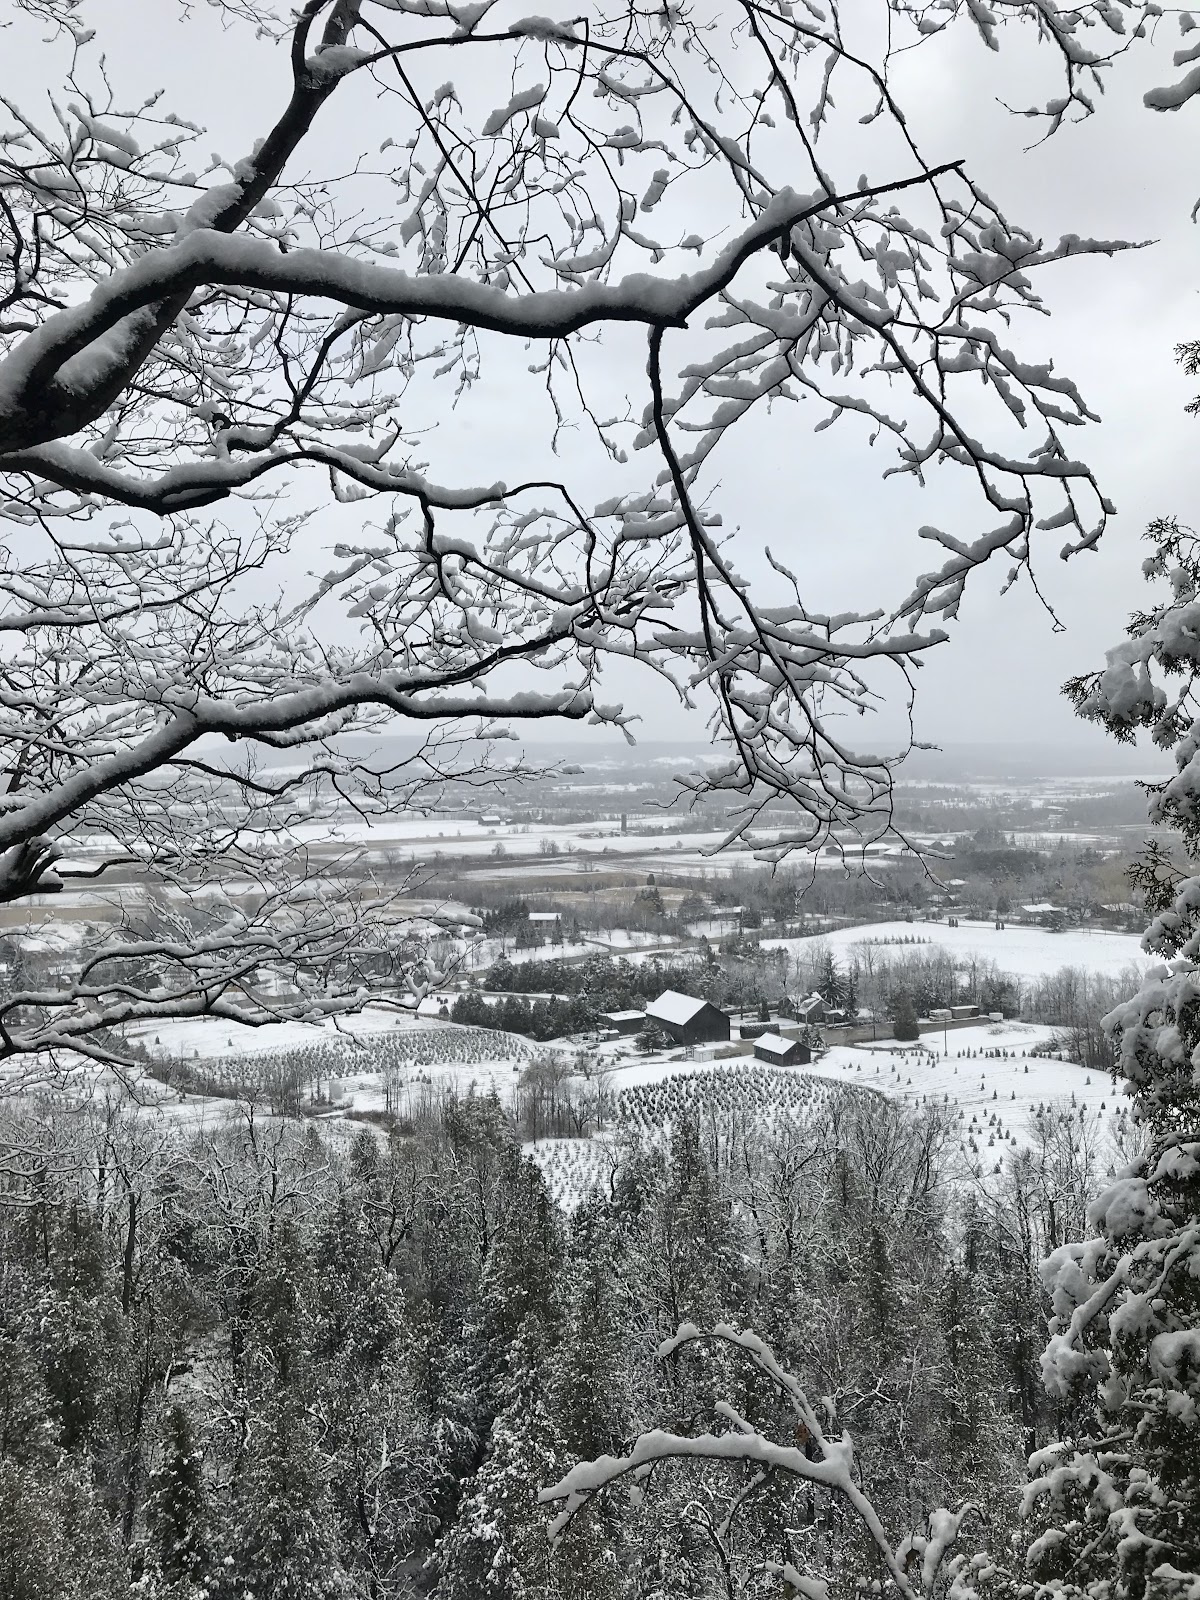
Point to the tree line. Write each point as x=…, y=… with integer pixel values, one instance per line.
x=270, y=1360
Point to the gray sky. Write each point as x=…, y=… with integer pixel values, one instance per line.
x=820, y=501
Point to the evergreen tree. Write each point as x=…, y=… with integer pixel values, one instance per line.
x=982, y=1437
x=279, y=1534
x=831, y=983
x=55, y=1542
x=497, y=1548
x=521, y=1269
x=904, y=1017
x=176, y=1507
x=588, y=1381
x=1117, y=1502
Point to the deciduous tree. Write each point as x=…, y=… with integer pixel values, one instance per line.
x=233, y=537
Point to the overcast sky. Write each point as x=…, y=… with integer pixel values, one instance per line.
x=1126, y=173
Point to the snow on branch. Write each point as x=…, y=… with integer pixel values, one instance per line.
x=814, y=1458
x=244, y=394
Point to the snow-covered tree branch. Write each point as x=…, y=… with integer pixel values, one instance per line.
x=239, y=394
x=913, y=1566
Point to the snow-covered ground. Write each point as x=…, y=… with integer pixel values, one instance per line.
x=984, y=1073
x=939, y=1068
x=210, y=1038
x=1024, y=952
x=427, y=1057
x=573, y=1167
x=422, y=838
x=986, y=1077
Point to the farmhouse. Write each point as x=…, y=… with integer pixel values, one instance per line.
x=811, y=1009
x=623, y=1022
x=781, y=1052
x=686, y=1019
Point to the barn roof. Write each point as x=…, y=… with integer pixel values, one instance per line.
x=774, y=1044
x=671, y=1006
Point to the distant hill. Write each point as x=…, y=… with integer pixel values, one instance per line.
x=1096, y=758
x=955, y=762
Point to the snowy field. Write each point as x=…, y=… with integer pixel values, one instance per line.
x=987, y=1074
x=211, y=1039
x=986, y=1078
x=1023, y=952
x=938, y=1069
x=422, y=1057
x=423, y=838
x=572, y=1168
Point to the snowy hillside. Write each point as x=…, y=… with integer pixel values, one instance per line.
x=1023, y=952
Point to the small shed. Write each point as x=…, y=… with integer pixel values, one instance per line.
x=781, y=1052
x=688, y=1020
x=960, y=1012
x=545, y=916
x=623, y=1022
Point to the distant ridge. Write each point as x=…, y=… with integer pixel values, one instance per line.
x=1101, y=758
x=962, y=762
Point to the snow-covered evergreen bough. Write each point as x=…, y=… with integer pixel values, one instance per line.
x=231, y=521
x=1117, y=1504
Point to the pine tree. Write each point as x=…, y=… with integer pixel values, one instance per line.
x=519, y=1276
x=497, y=1548
x=1117, y=1503
x=904, y=1017
x=55, y=1541
x=176, y=1508
x=279, y=1534
x=831, y=985
x=588, y=1382
x=982, y=1438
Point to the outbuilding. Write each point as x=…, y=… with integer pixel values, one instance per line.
x=811, y=1009
x=623, y=1022
x=781, y=1052
x=688, y=1020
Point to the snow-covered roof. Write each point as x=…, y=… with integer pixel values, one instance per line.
x=621, y=1016
x=774, y=1044
x=671, y=1006
x=545, y=916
